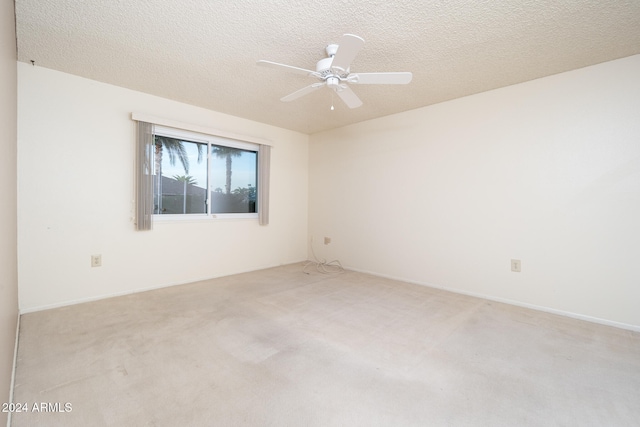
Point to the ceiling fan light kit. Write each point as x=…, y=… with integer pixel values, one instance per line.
x=334, y=72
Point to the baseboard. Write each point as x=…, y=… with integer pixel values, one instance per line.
x=104, y=296
x=606, y=322
x=137, y=291
x=13, y=369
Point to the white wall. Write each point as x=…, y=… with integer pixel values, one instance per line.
x=76, y=171
x=8, y=189
x=547, y=172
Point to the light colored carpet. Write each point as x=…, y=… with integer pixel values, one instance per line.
x=278, y=347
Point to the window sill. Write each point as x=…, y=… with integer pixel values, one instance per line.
x=202, y=217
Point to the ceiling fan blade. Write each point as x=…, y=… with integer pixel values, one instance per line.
x=348, y=48
x=349, y=97
x=302, y=92
x=289, y=68
x=400, y=78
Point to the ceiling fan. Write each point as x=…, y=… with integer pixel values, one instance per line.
x=334, y=73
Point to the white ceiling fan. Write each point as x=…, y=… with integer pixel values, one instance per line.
x=334, y=73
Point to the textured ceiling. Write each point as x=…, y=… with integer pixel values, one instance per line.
x=204, y=52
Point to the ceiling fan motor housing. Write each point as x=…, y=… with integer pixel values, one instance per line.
x=323, y=67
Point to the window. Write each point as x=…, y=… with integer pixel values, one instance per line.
x=198, y=174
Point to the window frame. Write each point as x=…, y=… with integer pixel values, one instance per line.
x=209, y=140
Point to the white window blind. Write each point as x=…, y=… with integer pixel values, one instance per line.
x=144, y=176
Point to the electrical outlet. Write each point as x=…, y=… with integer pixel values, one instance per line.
x=96, y=260
x=516, y=265
x=327, y=240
